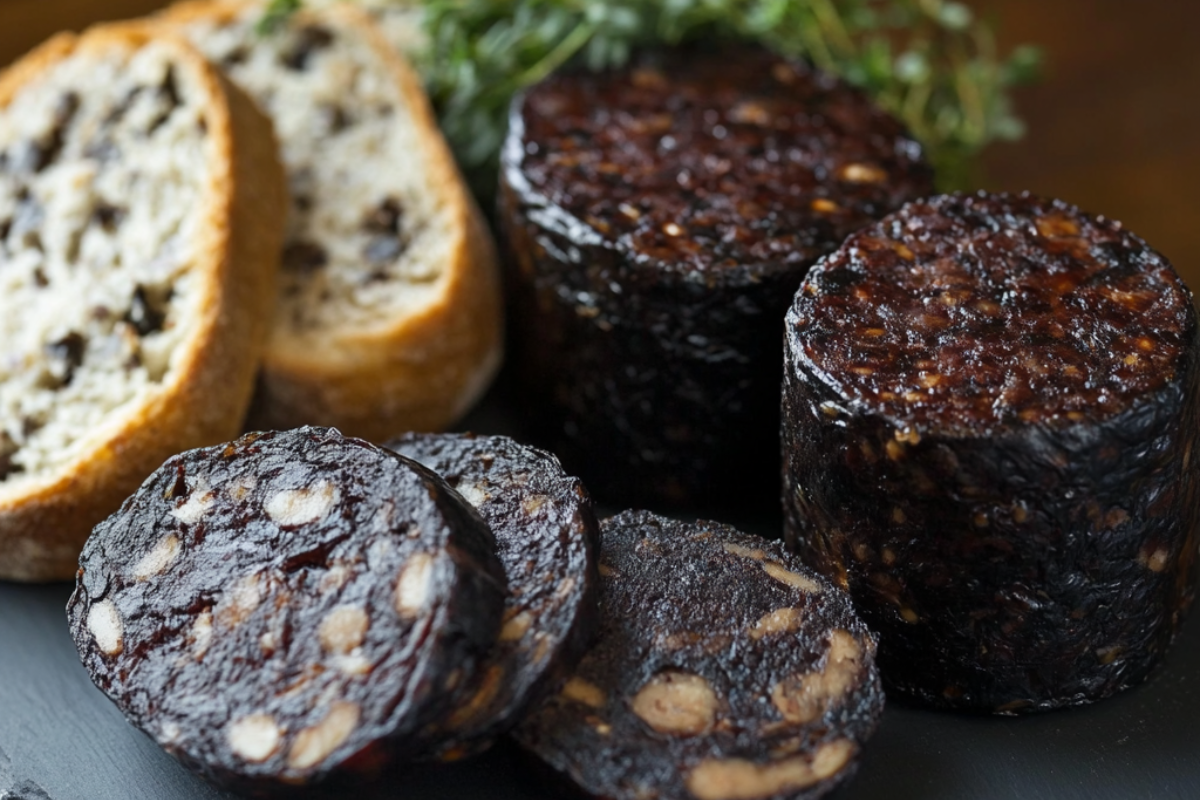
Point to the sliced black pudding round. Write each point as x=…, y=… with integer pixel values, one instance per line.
x=724, y=670
x=288, y=608
x=547, y=539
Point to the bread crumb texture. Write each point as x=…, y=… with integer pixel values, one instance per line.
x=365, y=243
x=104, y=160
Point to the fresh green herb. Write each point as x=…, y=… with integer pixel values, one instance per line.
x=930, y=62
x=276, y=14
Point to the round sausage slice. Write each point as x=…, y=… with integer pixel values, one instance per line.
x=724, y=670
x=547, y=539
x=288, y=608
x=990, y=409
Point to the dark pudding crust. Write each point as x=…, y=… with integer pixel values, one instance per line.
x=990, y=404
x=289, y=608
x=703, y=161
x=658, y=221
x=968, y=312
x=724, y=670
x=547, y=538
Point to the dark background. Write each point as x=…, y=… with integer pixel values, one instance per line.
x=1114, y=126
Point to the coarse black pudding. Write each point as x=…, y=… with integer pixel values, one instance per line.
x=288, y=609
x=547, y=539
x=725, y=669
x=658, y=220
x=990, y=408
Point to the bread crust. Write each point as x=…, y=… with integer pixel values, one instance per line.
x=422, y=370
x=203, y=397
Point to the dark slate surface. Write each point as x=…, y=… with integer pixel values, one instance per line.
x=60, y=734
x=60, y=738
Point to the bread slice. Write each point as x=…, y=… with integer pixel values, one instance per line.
x=142, y=207
x=389, y=316
x=399, y=20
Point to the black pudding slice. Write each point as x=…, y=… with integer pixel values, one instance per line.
x=288, y=608
x=724, y=670
x=547, y=539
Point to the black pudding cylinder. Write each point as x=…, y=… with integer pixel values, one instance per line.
x=657, y=221
x=1020, y=541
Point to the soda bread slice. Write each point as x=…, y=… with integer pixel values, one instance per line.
x=142, y=207
x=389, y=316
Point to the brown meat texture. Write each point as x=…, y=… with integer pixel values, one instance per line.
x=658, y=220
x=547, y=539
x=289, y=609
x=990, y=404
x=724, y=670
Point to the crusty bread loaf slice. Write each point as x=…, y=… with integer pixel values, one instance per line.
x=142, y=206
x=389, y=316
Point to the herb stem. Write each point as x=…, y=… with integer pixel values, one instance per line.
x=560, y=55
x=831, y=23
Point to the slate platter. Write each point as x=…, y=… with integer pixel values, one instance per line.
x=60, y=738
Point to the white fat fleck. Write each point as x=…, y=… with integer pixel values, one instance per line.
x=254, y=738
x=781, y=620
x=343, y=629
x=474, y=493
x=533, y=504
x=195, y=507
x=1156, y=561
x=677, y=703
x=412, y=587
x=241, y=489
x=314, y=745
x=171, y=732
x=293, y=507
x=516, y=628
x=793, y=579
x=202, y=634
x=742, y=779
x=104, y=622
x=239, y=602
x=744, y=552
x=158, y=559
x=578, y=690
x=355, y=666
x=334, y=578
